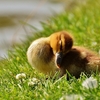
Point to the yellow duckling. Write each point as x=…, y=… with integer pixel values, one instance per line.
x=41, y=53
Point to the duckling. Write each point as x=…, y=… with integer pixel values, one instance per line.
x=74, y=59
x=41, y=53
x=78, y=60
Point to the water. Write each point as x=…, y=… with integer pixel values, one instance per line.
x=31, y=11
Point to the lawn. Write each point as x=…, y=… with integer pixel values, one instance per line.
x=19, y=81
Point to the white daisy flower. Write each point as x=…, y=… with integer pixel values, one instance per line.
x=20, y=76
x=94, y=43
x=33, y=81
x=90, y=83
x=99, y=52
x=72, y=97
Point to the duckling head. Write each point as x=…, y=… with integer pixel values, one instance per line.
x=61, y=43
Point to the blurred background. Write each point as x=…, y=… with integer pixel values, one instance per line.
x=15, y=13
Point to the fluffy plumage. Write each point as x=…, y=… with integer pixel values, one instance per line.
x=79, y=59
x=57, y=50
x=41, y=57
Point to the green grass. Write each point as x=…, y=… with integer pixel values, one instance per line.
x=83, y=22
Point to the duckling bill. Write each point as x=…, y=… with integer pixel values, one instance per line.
x=58, y=58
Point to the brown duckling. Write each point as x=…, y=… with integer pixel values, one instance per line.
x=74, y=59
x=78, y=60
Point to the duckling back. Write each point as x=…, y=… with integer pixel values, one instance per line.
x=78, y=60
x=41, y=57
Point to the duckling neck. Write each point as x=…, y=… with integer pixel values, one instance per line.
x=47, y=40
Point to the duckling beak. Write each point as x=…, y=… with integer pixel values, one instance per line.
x=59, y=57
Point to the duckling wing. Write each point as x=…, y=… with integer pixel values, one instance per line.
x=41, y=57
